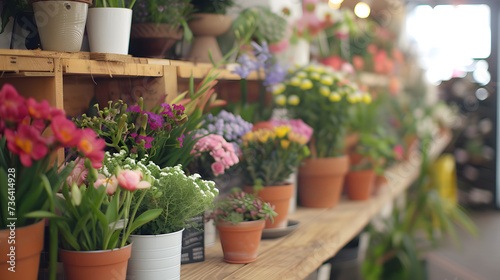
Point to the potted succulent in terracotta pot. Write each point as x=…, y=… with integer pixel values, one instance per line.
x=269, y=157
x=157, y=25
x=61, y=24
x=208, y=22
x=240, y=219
x=320, y=97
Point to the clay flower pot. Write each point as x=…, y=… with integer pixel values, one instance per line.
x=205, y=28
x=279, y=197
x=321, y=181
x=380, y=180
x=153, y=40
x=96, y=265
x=26, y=256
x=240, y=242
x=359, y=184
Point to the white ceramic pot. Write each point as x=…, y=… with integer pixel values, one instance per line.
x=155, y=257
x=109, y=30
x=210, y=233
x=61, y=24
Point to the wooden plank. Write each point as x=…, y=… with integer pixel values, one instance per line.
x=27, y=74
x=78, y=92
x=200, y=70
x=111, y=57
x=321, y=234
x=30, y=64
x=111, y=69
x=45, y=54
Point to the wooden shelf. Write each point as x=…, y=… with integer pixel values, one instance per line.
x=320, y=235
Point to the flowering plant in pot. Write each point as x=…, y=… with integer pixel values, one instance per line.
x=320, y=97
x=213, y=155
x=240, y=218
x=29, y=176
x=157, y=25
x=179, y=197
x=268, y=159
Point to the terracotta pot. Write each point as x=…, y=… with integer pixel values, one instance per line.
x=96, y=265
x=240, y=242
x=205, y=28
x=153, y=40
x=359, y=184
x=279, y=196
x=355, y=158
x=411, y=143
x=380, y=181
x=321, y=181
x=28, y=244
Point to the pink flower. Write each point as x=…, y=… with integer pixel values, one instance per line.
x=227, y=161
x=56, y=113
x=92, y=147
x=279, y=47
x=65, y=131
x=27, y=143
x=110, y=183
x=12, y=106
x=78, y=174
x=218, y=168
x=218, y=153
x=38, y=110
x=132, y=180
x=398, y=149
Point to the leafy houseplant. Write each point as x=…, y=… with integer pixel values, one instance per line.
x=28, y=175
x=158, y=24
x=241, y=216
x=212, y=6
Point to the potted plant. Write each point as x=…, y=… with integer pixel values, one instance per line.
x=108, y=26
x=61, y=24
x=208, y=22
x=157, y=25
x=320, y=97
x=240, y=219
x=268, y=159
x=29, y=177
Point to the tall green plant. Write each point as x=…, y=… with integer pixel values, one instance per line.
x=114, y=4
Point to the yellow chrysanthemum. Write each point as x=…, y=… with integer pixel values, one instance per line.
x=278, y=88
x=263, y=135
x=335, y=97
x=249, y=136
x=312, y=68
x=367, y=98
x=351, y=99
x=324, y=90
x=320, y=69
x=315, y=76
x=280, y=100
x=282, y=130
x=306, y=84
x=326, y=80
x=293, y=100
x=301, y=74
x=285, y=143
x=295, y=81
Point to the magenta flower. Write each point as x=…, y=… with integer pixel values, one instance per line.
x=132, y=180
x=92, y=147
x=38, y=110
x=65, y=131
x=12, y=106
x=27, y=143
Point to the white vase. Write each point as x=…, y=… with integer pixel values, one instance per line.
x=61, y=24
x=109, y=30
x=155, y=257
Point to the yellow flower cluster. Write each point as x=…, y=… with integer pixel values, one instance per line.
x=283, y=133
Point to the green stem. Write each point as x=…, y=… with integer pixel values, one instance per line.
x=126, y=218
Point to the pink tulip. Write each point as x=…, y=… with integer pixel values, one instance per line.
x=27, y=143
x=131, y=180
x=12, y=106
x=218, y=168
x=78, y=174
x=110, y=183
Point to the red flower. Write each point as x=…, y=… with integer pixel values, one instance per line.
x=27, y=143
x=65, y=131
x=12, y=106
x=92, y=147
x=358, y=62
x=38, y=110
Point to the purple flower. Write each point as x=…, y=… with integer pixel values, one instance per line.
x=274, y=74
x=262, y=52
x=179, y=108
x=181, y=140
x=134, y=108
x=155, y=121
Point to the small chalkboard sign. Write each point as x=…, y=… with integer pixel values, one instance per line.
x=193, y=241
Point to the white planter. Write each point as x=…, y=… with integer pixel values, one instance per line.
x=155, y=257
x=61, y=24
x=109, y=30
x=210, y=233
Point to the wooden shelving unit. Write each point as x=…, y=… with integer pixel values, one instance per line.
x=320, y=235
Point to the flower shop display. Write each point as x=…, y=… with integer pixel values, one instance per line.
x=28, y=175
x=108, y=26
x=156, y=253
x=61, y=24
x=268, y=159
x=208, y=22
x=320, y=97
x=157, y=25
x=213, y=155
x=240, y=219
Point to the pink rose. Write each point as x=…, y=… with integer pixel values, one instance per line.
x=218, y=168
x=131, y=180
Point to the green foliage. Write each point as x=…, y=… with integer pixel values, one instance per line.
x=181, y=197
x=212, y=6
x=11, y=8
x=259, y=23
x=269, y=157
x=114, y=4
x=241, y=207
x=377, y=150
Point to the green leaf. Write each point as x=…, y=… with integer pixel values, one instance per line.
x=41, y=214
x=145, y=217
